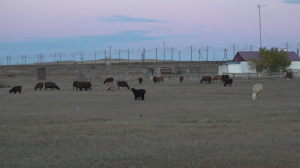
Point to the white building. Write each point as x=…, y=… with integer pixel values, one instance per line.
x=241, y=60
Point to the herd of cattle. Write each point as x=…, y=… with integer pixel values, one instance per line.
x=138, y=94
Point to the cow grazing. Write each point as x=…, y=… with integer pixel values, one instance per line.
x=228, y=82
x=84, y=85
x=75, y=84
x=160, y=79
x=181, y=79
x=109, y=80
x=140, y=80
x=139, y=94
x=206, y=78
x=89, y=84
x=51, y=85
x=154, y=79
x=16, y=89
x=224, y=77
x=218, y=77
x=110, y=87
x=39, y=86
x=122, y=84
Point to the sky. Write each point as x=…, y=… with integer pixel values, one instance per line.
x=197, y=29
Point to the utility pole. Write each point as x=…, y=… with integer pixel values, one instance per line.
x=207, y=48
x=260, y=23
x=119, y=55
x=171, y=54
x=164, y=51
x=54, y=57
x=128, y=54
x=200, y=55
x=191, y=53
x=225, y=55
x=214, y=54
x=179, y=55
x=156, y=54
x=95, y=56
x=287, y=44
x=109, y=53
x=81, y=56
x=59, y=58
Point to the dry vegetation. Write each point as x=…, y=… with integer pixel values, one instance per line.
x=178, y=125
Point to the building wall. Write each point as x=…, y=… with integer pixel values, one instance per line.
x=222, y=69
x=234, y=68
x=295, y=65
x=245, y=68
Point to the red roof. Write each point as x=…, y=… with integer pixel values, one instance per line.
x=245, y=55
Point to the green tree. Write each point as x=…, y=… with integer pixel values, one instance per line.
x=271, y=60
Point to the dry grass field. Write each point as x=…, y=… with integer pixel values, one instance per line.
x=178, y=125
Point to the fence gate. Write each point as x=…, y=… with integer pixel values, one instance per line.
x=41, y=73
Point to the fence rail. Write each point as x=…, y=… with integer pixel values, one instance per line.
x=296, y=74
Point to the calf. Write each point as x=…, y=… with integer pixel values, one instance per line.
x=39, y=85
x=181, y=79
x=122, y=84
x=51, y=85
x=139, y=94
x=228, y=82
x=140, y=80
x=16, y=89
x=110, y=87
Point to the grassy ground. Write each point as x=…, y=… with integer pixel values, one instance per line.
x=178, y=125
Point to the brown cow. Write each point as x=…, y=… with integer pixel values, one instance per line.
x=108, y=80
x=206, y=78
x=218, y=77
x=160, y=79
x=122, y=84
x=154, y=79
x=181, y=79
x=39, y=85
x=140, y=80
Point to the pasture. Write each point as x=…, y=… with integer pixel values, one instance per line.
x=184, y=124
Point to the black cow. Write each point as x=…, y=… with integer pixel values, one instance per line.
x=139, y=94
x=224, y=77
x=228, y=82
x=108, y=80
x=206, y=78
x=75, y=84
x=51, y=85
x=140, y=80
x=122, y=84
x=154, y=79
x=16, y=89
x=84, y=85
